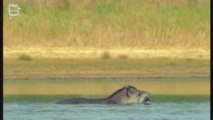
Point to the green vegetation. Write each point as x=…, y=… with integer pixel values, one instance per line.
x=25, y=57
x=180, y=24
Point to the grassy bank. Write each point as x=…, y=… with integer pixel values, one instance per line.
x=32, y=68
x=108, y=24
x=105, y=87
x=159, y=76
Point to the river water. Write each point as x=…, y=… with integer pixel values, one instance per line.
x=157, y=110
x=22, y=103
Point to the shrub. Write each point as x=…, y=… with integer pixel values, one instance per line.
x=122, y=56
x=25, y=57
x=106, y=55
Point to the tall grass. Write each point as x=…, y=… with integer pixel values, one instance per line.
x=181, y=24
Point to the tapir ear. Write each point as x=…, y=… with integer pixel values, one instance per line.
x=129, y=91
x=126, y=86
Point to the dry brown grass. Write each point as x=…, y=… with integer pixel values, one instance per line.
x=49, y=26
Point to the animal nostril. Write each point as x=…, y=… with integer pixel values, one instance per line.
x=146, y=99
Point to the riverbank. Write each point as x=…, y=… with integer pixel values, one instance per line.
x=37, y=69
x=160, y=76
